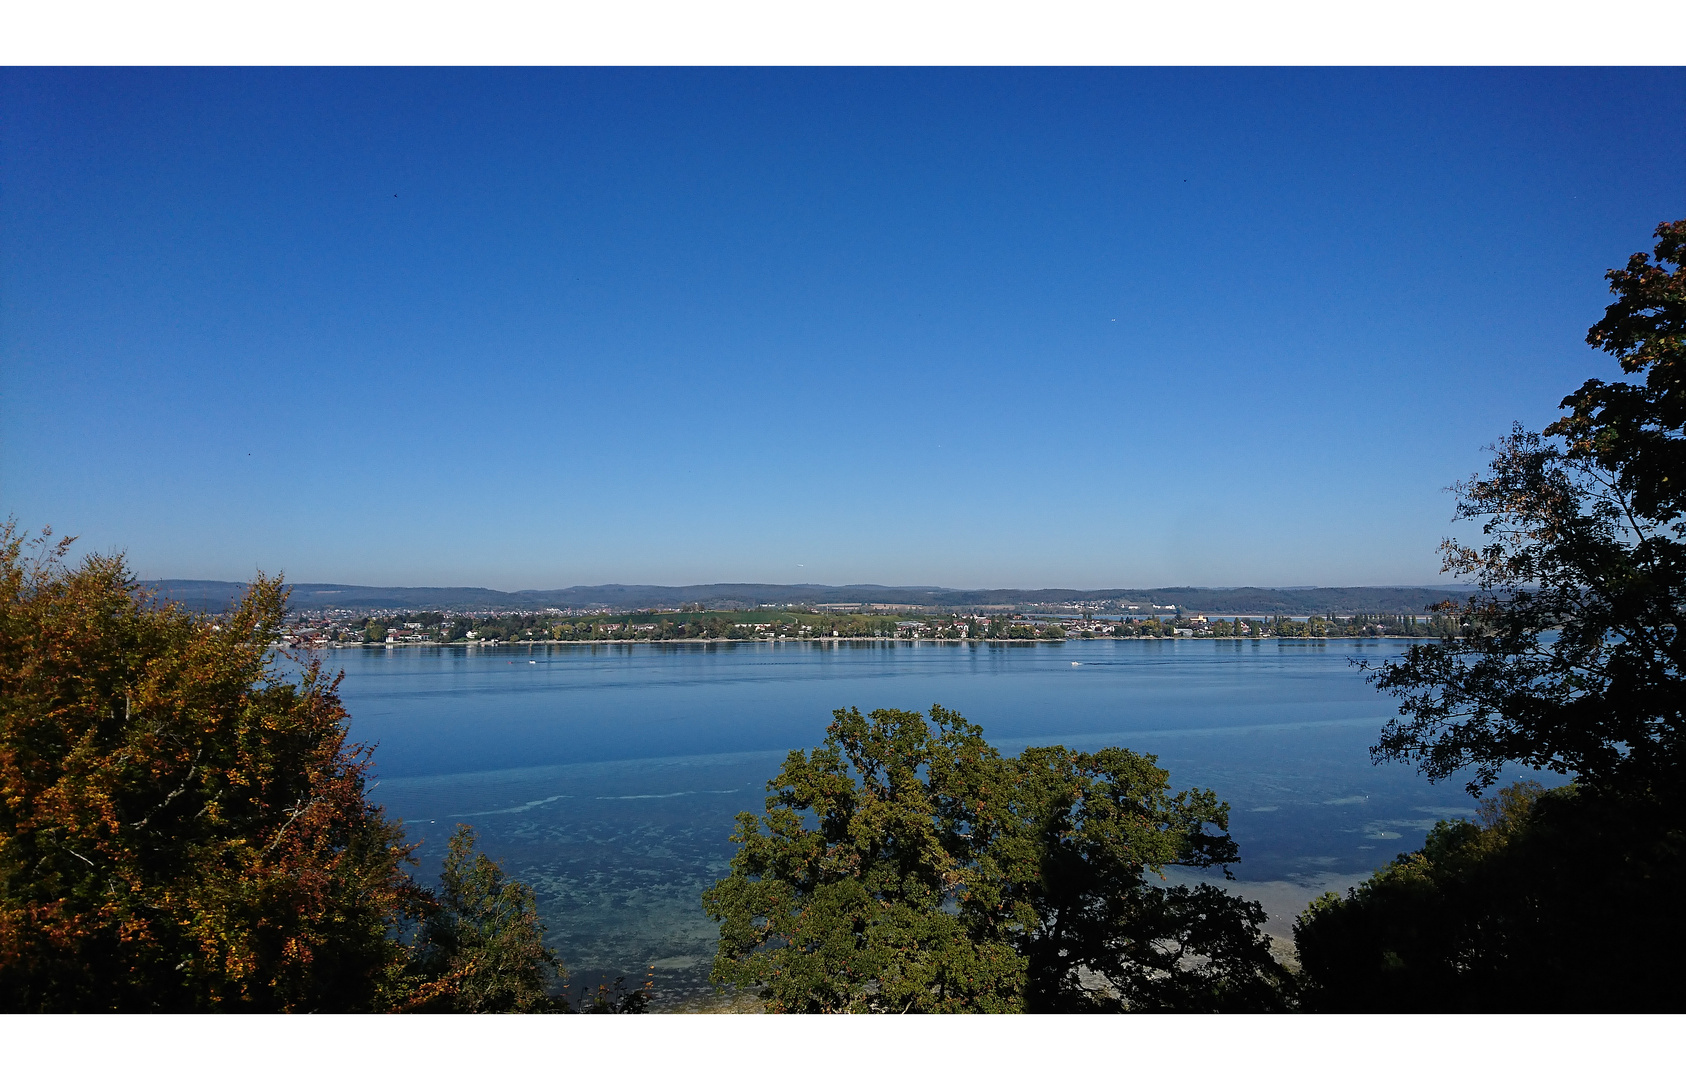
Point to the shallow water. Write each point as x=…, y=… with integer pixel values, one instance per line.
x=607, y=777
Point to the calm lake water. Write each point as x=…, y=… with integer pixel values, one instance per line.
x=606, y=777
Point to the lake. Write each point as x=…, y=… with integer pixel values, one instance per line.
x=607, y=776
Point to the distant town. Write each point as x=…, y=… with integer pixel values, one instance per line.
x=340, y=628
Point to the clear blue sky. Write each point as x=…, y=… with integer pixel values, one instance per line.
x=528, y=329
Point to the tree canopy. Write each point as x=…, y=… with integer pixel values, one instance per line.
x=185, y=824
x=1569, y=661
x=1550, y=901
x=181, y=827
x=482, y=946
x=1572, y=662
x=906, y=865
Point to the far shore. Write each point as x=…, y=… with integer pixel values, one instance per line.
x=825, y=641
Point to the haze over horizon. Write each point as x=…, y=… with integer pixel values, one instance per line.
x=1016, y=328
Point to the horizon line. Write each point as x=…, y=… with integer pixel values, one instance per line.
x=813, y=585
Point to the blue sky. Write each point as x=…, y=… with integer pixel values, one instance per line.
x=534, y=328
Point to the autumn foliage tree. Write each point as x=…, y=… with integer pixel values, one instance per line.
x=186, y=826
x=181, y=827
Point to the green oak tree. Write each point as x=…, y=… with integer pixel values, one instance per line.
x=1075, y=878
x=906, y=865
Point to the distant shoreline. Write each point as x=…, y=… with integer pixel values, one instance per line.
x=830, y=641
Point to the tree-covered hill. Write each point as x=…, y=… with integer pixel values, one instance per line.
x=1391, y=600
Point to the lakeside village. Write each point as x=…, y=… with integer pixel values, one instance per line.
x=852, y=622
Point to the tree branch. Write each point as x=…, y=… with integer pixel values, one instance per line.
x=171, y=797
